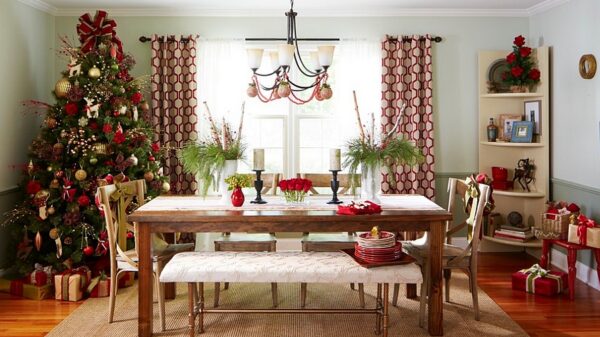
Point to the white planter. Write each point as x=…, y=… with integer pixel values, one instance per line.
x=370, y=183
x=229, y=169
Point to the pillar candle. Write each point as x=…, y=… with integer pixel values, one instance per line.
x=259, y=159
x=335, y=159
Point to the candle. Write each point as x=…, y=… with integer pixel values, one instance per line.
x=259, y=159
x=335, y=159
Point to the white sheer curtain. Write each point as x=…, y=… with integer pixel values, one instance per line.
x=223, y=77
x=357, y=66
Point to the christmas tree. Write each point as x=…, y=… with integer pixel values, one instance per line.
x=93, y=135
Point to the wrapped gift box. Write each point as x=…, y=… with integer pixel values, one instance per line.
x=127, y=279
x=555, y=282
x=21, y=288
x=41, y=275
x=71, y=284
x=99, y=287
x=591, y=239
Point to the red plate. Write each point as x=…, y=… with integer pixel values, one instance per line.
x=396, y=248
x=403, y=259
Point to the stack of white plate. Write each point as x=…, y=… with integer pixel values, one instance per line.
x=384, y=240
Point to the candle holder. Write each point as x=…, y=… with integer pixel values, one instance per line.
x=258, y=185
x=335, y=185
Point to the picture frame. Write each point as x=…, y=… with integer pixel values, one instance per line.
x=505, y=130
x=533, y=113
x=522, y=132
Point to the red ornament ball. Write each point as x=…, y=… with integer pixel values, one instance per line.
x=109, y=178
x=33, y=187
x=88, y=250
x=151, y=158
x=71, y=109
x=83, y=201
x=130, y=235
x=136, y=98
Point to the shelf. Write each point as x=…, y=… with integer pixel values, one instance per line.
x=507, y=144
x=520, y=194
x=513, y=95
x=534, y=243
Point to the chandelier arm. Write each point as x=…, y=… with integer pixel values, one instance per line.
x=276, y=71
x=303, y=87
x=301, y=64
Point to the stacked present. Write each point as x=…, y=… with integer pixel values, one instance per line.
x=71, y=284
x=38, y=285
x=100, y=285
x=555, y=221
x=537, y=280
x=584, y=231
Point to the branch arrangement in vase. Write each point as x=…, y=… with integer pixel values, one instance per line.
x=387, y=149
x=207, y=157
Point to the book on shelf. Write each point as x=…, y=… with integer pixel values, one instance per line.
x=515, y=228
x=511, y=237
x=515, y=233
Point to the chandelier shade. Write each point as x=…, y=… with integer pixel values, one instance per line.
x=287, y=56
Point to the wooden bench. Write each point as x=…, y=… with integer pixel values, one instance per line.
x=195, y=268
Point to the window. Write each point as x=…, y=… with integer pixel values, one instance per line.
x=296, y=138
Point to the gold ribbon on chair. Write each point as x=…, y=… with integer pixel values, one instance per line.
x=120, y=196
x=471, y=200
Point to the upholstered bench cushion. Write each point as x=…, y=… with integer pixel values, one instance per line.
x=283, y=267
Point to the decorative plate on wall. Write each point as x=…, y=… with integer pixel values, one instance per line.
x=495, y=71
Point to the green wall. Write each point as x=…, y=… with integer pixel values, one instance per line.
x=26, y=65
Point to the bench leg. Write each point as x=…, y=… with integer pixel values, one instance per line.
x=302, y=295
x=274, y=294
x=191, y=306
x=386, y=289
x=379, y=306
x=352, y=286
x=361, y=294
x=571, y=261
x=226, y=285
x=201, y=305
x=395, y=295
x=217, y=292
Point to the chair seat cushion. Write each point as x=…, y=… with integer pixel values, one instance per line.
x=283, y=267
x=247, y=237
x=328, y=237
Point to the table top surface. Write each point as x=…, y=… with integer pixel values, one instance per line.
x=197, y=208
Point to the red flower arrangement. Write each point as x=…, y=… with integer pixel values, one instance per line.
x=522, y=66
x=294, y=190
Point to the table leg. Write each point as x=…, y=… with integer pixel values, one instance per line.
x=436, y=243
x=144, y=282
x=411, y=288
x=571, y=261
x=546, y=245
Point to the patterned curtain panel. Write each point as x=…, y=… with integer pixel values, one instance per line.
x=407, y=78
x=174, y=103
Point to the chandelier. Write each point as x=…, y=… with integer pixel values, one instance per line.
x=281, y=61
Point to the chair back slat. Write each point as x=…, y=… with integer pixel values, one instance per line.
x=270, y=182
x=324, y=180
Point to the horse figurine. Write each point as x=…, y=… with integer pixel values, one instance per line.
x=524, y=173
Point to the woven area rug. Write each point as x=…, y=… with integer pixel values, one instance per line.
x=90, y=319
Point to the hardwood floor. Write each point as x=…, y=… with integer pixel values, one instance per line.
x=538, y=315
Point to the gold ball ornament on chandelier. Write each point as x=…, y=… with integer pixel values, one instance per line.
x=62, y=87
x=94, y=72
x=149, y=176
x=252, y=91
x=284, y=89
x=80, y=175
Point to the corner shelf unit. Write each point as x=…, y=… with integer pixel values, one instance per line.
x=506, y=154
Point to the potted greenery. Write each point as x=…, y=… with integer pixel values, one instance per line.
x=235, y=183
x=371, y=155
x=215, y=157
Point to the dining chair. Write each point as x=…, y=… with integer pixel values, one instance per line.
x=117, y=198
x=454, y=257
x=250, y=242
x=328, y=242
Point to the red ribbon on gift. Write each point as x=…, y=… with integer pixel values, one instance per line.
x=91, y=30
x=583, y=223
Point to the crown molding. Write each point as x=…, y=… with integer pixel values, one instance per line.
x=41, y=5
x=390, y=12
x=545, y=6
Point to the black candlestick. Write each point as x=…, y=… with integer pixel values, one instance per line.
x=335, y=185
x=258, y=185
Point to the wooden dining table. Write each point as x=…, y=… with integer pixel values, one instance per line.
x=170, y=214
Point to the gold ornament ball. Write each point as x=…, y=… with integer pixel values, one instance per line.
x=54, y=183
x=53, y=234
x=51, y=122
x=80, y=175
x=149, y=176
x=166, y=187
x=145, y=106
x=49, y=168
x=62, y=87
x=51, y=210
x=94, y=72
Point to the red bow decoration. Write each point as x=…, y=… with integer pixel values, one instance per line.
x=91, y=30
x=68, y=191
x=583, y=223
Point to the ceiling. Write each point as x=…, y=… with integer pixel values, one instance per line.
x=305, y=7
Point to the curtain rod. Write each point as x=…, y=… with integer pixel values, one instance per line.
x=144, y=39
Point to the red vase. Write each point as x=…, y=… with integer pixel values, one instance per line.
x=237, y=197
